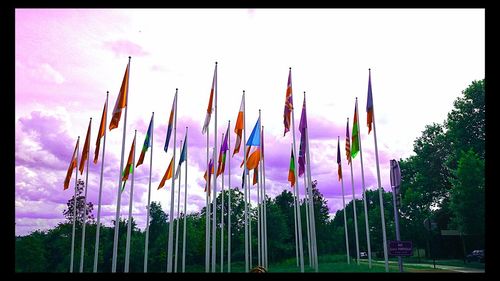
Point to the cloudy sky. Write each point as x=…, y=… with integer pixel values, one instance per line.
x=67, y=59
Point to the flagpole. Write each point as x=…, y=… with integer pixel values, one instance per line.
x=74, y=207
x=344, y=210
x=297, y=198
x=367, y=226
x=265, y=203
x=222, y=222
x=185, y=209
x=250, y=259
x=229, y=205
x=308, y=224
x=314, y=249
x=354, y=207
x=259, y=213
x=119, y=193
x=82, y=252
x=295, y=216
x=245, y=184
x=178, y=215
x=214, y=202
x=146, y=247
x=97, y=234
x=207, y=213
x=172, y=199
x=380, y=192
x=129, y=222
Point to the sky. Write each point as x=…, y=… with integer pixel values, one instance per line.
x=66, y=60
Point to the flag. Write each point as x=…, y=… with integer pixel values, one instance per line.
x=302, y=145
x=86, y=149
x=347, y=144
x=291, y=171
x=243, y=179
x=253, y=144
x=255, y=176
x=208, y=181
x=238, y=128
x=168, y=173
x=209, y=108
x=170, y=123
x=222, y=154
x=182, y=157
x=72, y=165
x=147, y=143
x=254, y=139
x=288, y=103
x=355, y=133
x=121, y=101
x=129, y=168
x=339, y=171
x=101, y=132
x=369, y=104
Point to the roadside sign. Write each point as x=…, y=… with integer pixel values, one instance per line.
x=400, y=248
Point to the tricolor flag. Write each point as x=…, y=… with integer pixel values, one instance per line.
x=72, y=166
x=355, y=132
x=147, y=143
x=222, y=154
x=170, y=123
x=182, y=157
x=302, y=145
x=291, y=170
x=101, y=132
x=253, y=145
x=121, y=101
x=86, y=149
x=210, y=101
x=129, y=168
x=288, y=103
x=339, y=170
x=347, y=144
x=369, y=104
x=208, y=181
x=238, y=128
x=168, y=173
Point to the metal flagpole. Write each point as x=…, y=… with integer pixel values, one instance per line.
x=384, y=236
x=295, y=217
x=297, y=192
x=214, y=204
x=245, y=171
x=354, y=207
x=146, y=247
x=265, y=205
x=207, y=213
x=97, y=234
x=367, y=226
x=129, y=223
x=345, y=216
x=306, y=203
x=250, y=259
x=177, y=221
x=314, y=249
x=185, y=209
x=119, y=193
x=172, y=199
x=259, y=229
x=229, y=204
x=82, y=251
x=395, y=182
x=74, y=207
x=222, y=221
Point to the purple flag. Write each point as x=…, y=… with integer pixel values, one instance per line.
x=302, y=146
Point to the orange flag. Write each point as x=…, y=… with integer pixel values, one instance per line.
x=102, y=131
x=253, y=160
x=72, y=165
x=238, y=128
x=129, y=168
x=86, y=148
x=255, y=176
x=168, y=174
x=121, y=101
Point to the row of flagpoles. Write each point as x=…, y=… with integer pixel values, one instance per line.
x=253, y=159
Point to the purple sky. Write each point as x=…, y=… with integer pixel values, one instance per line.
x=67, y=59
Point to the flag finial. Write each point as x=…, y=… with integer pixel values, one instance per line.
x=356, y=98
x=90, y=118
x=290, y=68
x=129, y=57
x=107, y=92
x=369, y=69
x=243, y=91
x=176, y=89
x=215, y=62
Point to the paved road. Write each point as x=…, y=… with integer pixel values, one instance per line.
x=439, y=266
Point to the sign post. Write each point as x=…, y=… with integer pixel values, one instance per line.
x=395, y=183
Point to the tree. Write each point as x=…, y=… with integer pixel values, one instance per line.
x=68, y=213
x=30, y=253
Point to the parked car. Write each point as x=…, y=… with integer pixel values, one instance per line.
x=363, y=255
x=476, y=255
